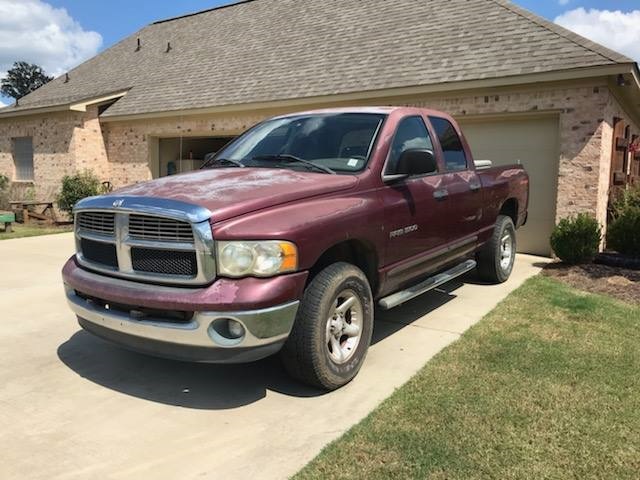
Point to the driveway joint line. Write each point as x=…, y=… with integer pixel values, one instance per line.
x=422, y=327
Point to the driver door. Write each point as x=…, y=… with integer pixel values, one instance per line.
x=415, y=214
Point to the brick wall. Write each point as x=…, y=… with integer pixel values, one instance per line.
x=124, y=152
x=63, y=143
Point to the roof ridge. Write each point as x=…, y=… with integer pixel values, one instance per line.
x=573, y=37
x=193, y=14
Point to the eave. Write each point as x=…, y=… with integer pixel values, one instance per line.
x=483, y=84
x=79, y=106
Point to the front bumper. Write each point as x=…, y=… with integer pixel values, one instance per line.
x=266, y=327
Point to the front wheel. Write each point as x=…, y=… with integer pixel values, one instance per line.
x=332, y=332
x=497, y=257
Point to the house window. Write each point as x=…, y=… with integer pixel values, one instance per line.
x=23, y=158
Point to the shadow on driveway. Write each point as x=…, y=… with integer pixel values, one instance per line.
x=215, y=387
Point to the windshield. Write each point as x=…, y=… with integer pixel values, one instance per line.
x=329, y=143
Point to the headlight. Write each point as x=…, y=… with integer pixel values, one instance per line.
x=260, y=259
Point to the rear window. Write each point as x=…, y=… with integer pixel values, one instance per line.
x=454, y=157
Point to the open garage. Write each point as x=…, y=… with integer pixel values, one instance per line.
x=184, y=154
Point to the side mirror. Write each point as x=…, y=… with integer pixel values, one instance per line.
x=416, y=162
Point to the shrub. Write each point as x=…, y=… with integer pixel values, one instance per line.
x=5, y=187
x=76, y=187
x=576, y=239
x=629, y=198
x=623, y=234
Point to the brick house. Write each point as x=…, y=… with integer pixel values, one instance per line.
x=523, y=88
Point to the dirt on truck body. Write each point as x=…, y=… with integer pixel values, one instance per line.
x=287, y=238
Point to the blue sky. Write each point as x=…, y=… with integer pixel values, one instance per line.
x=552, y=8
x=115, y=19
x=60, y=34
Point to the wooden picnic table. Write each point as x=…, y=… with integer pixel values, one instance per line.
x=37, y=210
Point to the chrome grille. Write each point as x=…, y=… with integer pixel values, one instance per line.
x=128, y=237
x=159, y=229
x=102, y=223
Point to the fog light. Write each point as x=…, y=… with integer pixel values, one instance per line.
x=236, y=330
x=227, y=332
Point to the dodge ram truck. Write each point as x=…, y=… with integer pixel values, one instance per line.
x=289, y=237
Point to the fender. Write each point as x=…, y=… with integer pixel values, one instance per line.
x=315, y=225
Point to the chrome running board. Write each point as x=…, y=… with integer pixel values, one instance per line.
x=430, y=283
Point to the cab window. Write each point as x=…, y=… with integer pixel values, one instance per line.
x=411, y=133
x=454, y=156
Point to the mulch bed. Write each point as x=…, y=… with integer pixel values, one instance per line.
x=620, y=283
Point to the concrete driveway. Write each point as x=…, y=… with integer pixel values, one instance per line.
x=74, y=407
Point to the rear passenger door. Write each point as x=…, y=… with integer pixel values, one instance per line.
x=461, y=183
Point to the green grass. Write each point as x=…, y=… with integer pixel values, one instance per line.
x=546, y=386
x=20, y=231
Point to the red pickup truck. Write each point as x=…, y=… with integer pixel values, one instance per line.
x=287, y=239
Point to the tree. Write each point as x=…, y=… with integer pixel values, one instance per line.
x=23, y=78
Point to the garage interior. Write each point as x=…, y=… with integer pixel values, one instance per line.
x=184, y=154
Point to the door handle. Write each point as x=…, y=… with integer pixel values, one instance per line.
x=475, y=187
x=441, y=194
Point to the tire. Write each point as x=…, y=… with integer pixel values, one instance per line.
x=313, y=353
x=491, y=266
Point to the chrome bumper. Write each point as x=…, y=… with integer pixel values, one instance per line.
x=266, y=331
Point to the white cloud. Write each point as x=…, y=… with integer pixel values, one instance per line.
x=36, y=32
x=620, y=31
x=564, y=2
x=3, y=103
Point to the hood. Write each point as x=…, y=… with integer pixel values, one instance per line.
x=230, y=192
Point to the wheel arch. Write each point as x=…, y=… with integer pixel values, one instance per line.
x=510, y=209
x=360, y=253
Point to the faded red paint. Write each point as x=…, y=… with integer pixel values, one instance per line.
x=318, y=211
x=222, y=296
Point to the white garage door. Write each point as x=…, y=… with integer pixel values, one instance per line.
x=535, y=143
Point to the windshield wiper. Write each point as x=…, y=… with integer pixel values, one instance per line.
x=292, y=158
x=210, y=160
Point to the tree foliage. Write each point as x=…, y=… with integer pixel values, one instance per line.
x=22, y=79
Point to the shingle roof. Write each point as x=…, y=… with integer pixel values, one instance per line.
x=265, y=50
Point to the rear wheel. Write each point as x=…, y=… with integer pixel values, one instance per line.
x=497, y=257
x=331, y=335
